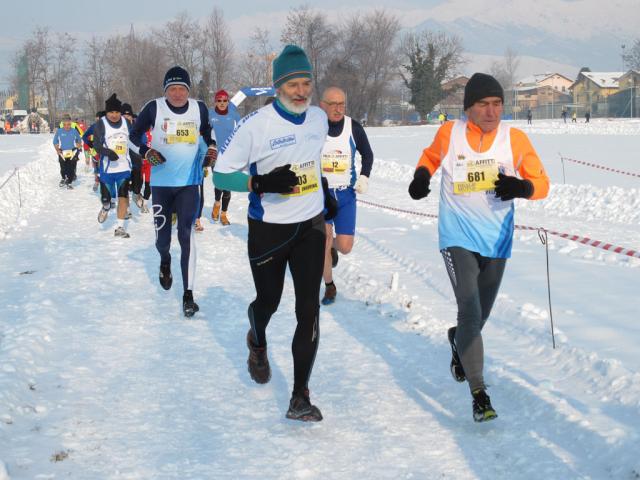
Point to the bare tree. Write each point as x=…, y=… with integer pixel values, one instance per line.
x=310, y=30
x=256, y=65
x=632, y=59
x=217, y=52
x=183, y=40
x=506, y=70
x=51, y=65
x=136, y=66
x=63, y=71
x=96, y=73
x=433, y=57
x=366, y=61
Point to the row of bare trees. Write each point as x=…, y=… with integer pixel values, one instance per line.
x=364, y=54
x=133, y=65
x=50, y=64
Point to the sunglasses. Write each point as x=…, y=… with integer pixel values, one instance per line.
x=222, y=100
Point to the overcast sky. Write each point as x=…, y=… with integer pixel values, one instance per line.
x=571, y=19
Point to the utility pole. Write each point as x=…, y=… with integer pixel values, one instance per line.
x=633, y=84
x=553, y=98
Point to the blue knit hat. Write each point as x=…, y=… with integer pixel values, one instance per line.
x=291, y=63
x=177, y=76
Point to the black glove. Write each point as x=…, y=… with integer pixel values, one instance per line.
x=76, y=154
x=278, y=180
x=419, y=186
x=154, y=157
x=113, y=156
x=508, y=188
x=330, y=202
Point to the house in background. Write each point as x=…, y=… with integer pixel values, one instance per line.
x=625, y=102
x=546, y=94
x=592, y=89
x=556, y=81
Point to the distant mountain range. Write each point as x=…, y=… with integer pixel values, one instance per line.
x=539, y=50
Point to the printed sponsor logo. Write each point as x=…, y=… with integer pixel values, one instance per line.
x=282, y=141
x=487, y=161
x=305, y=165
x=262, y=262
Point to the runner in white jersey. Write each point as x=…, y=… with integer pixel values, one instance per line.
x=479, y=159
x=345, y=138
x=280, y=146
x=111, y=139
x=181, y=145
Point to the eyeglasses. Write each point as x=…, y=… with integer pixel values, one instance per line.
x=335, y=104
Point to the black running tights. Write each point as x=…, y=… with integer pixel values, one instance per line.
x=300, y=245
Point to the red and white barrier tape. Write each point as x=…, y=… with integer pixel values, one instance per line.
x=601, y=167
x=395, y=209
x=574, y=238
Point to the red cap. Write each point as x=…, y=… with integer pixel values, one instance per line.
x=221, y=94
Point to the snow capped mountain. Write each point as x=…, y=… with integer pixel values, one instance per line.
x=573, y=33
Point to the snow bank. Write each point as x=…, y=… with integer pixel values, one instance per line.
x=598, y=126
x=590, y=203
x=26, y=190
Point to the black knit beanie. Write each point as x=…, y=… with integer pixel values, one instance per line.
x=480, y=86
x=112, y=104
x=126, y=109
x=177, y=76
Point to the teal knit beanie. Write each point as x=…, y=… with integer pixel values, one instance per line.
x=291, y=63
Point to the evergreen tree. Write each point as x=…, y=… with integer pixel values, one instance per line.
x=432, y=59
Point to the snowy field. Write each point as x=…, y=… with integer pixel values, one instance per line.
x=101, y=377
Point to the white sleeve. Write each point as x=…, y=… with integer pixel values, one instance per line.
x=236, y=152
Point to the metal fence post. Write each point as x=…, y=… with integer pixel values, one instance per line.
x=19, y=188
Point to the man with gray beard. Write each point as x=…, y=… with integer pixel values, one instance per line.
x=280, y=145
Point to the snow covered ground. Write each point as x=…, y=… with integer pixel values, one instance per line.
x=102, y=378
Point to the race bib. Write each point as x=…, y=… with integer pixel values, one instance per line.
x=474, y=175
x=181, y=132
x=308, y=181
x=335, y=162
x=120, y=147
